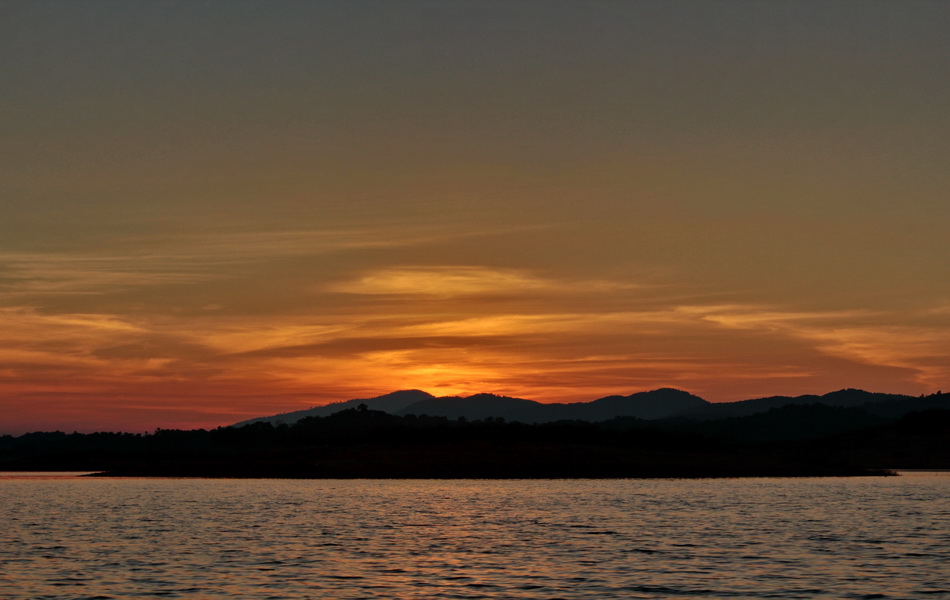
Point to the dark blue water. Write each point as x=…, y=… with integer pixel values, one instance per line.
x=69, y=538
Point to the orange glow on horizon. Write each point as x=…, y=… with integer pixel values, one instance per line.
x=220, y=369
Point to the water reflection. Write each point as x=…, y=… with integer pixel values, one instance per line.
x=70, y=537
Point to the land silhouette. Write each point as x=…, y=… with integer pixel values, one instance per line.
x=664, y=403
x=411, y=434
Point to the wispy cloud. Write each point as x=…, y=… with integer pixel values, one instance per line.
x=154, y=261
x=29, y=325
x=443, y=281
x=52, y=273
x=450, y=281
x=140, y=261
x=393, y=328
x=876, y=338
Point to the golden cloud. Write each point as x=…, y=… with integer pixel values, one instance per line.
x=450, y=281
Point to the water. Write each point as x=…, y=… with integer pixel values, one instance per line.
x=71, y=538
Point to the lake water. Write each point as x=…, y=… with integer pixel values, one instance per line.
x=67, y=537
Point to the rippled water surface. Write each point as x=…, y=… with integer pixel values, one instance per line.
x=67, y=537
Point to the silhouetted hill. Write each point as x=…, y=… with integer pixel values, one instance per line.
x=901, y=406
x=788, y=422
x=917, y=440
x=391, y=403
x=658, y=404
x=848, y=398
x=479, y=406
x=661, y=404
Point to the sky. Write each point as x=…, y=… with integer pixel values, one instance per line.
x=216, y=210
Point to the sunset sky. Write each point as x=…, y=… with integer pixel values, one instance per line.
x=216, y=210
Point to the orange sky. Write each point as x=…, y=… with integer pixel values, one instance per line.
x=219, y=211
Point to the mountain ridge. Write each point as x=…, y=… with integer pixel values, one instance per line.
x=659, y=404
x=390, y=402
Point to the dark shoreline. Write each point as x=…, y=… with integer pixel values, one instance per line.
x=365, y=444
x=475, y=461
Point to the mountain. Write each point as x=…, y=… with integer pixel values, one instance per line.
x=390, y=403
x=847, y=398
x=479, y=406
x=789, y=422
x=900, y=406
x=657, y=405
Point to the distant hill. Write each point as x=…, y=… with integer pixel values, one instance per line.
x=390, y=403
x=788, y=422
x=479, y=406
x=657, y=405
x=888, y=405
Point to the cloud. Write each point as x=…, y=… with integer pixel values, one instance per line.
x=877, y=338
x=161, y=260
x=503, y=330
x=442, y=281
x=922, y=350
x=27, y=324
x=452, y=281
x=54, y=273
x=74, y=349
x=256, y=335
